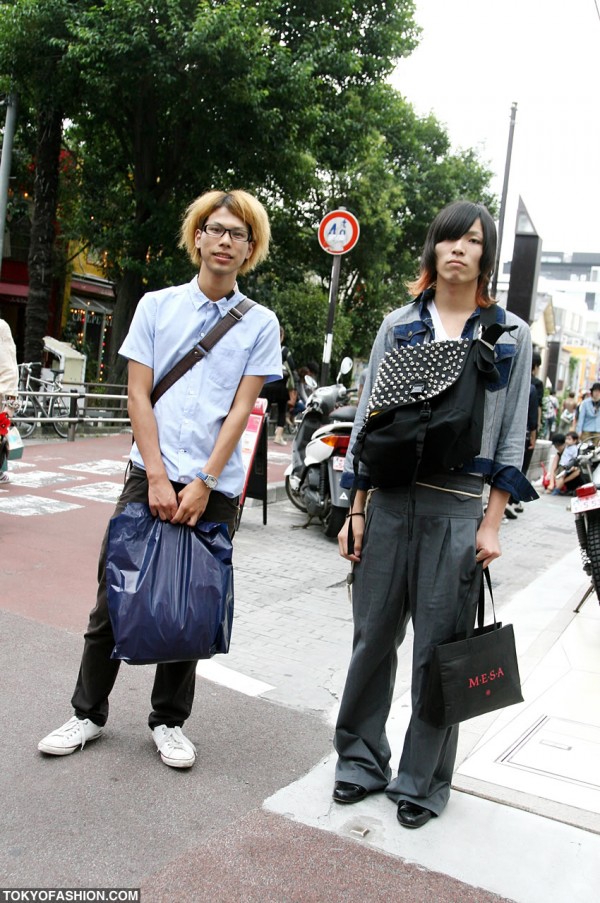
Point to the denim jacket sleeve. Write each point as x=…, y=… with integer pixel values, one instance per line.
x=506, y=406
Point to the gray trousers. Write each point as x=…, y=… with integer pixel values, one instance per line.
x=418, y=561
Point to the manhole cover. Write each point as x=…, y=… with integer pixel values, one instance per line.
x=559, y=748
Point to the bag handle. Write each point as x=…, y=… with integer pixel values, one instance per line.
x=481, y=603
x=201, y=349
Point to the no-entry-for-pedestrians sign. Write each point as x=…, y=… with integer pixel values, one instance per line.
x=338, y=232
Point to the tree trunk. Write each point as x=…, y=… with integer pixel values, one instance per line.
x=43, y=231
x=129, y=292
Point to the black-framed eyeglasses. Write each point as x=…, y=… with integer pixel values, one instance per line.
x=216, y=230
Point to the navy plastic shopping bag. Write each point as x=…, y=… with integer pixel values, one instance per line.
x=169, y=586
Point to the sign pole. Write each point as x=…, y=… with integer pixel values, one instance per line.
x=338, y=233
x=333, y=290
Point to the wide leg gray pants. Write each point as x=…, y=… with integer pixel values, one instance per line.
x=418, y=561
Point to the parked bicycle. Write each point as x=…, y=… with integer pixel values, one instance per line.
x=41, y=400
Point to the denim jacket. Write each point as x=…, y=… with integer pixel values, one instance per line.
x=506, y=401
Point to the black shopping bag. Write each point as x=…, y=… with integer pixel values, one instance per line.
x=472, y=675
x=169, y=588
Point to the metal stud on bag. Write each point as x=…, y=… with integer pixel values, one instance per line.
x=438, y=364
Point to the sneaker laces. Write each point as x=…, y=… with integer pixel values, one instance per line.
x=73, y=728
x=175, y=739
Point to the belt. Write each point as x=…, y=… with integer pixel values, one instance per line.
x=470, y=485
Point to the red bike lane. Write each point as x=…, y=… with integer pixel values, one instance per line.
x=53, y=515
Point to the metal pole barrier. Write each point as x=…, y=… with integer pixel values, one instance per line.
x=72, y=413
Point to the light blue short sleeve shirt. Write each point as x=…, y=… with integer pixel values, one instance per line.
x=166, y=325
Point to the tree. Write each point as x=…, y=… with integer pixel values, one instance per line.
x=33, y=60
x=287, y=99
x=396, y=173
x=210, y=94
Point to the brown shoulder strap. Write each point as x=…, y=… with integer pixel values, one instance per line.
x=233, y=316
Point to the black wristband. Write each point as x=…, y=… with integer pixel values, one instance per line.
x=355, y=514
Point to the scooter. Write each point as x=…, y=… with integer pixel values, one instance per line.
x=312, y=481
x=585, y=505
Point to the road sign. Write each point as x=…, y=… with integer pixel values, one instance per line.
x=338, y=232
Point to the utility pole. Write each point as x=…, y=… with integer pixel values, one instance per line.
x=5, y=163
x=513, y=116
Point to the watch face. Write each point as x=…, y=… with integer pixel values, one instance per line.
x=211, y=481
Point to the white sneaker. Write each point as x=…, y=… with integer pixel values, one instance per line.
x=174, y=747
x=75, y=733
x=4, y=477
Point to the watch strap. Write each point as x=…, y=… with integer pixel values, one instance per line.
x=208, y=479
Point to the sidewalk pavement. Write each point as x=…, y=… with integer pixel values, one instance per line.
x=254, y=819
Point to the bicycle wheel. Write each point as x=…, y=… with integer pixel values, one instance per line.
x=28, y=410
x=59, y=408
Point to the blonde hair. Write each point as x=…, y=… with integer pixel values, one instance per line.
x=240, y=204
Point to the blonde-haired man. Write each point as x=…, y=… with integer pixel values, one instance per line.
x=186, y=459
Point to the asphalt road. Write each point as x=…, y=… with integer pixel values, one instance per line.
x=113, y=815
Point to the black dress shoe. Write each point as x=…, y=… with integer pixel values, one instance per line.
x=343, y=792
x=410, y=815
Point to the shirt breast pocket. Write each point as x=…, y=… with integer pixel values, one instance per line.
x=226, y=367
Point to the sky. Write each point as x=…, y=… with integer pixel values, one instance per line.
x=476, y=58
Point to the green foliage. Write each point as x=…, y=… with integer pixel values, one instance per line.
x=302, y=309
x=287, y=99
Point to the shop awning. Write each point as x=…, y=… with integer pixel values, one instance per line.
x=15, y=291
x=92, y=305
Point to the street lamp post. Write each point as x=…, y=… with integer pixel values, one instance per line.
x=5, y=163
x=513, y=116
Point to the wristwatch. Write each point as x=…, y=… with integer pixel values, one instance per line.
x=207, y=478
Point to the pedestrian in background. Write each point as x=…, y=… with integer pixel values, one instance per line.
x=563, y=467
x=550, y=412
x=587, y=421
x=514, y=507
x=282, y=392
x=567, y=415
x=186, y=459
x=9, y=386
x=418, y=551
x=536, y=363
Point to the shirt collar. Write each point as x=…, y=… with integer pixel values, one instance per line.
x=429, y=295
x=199, y=299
